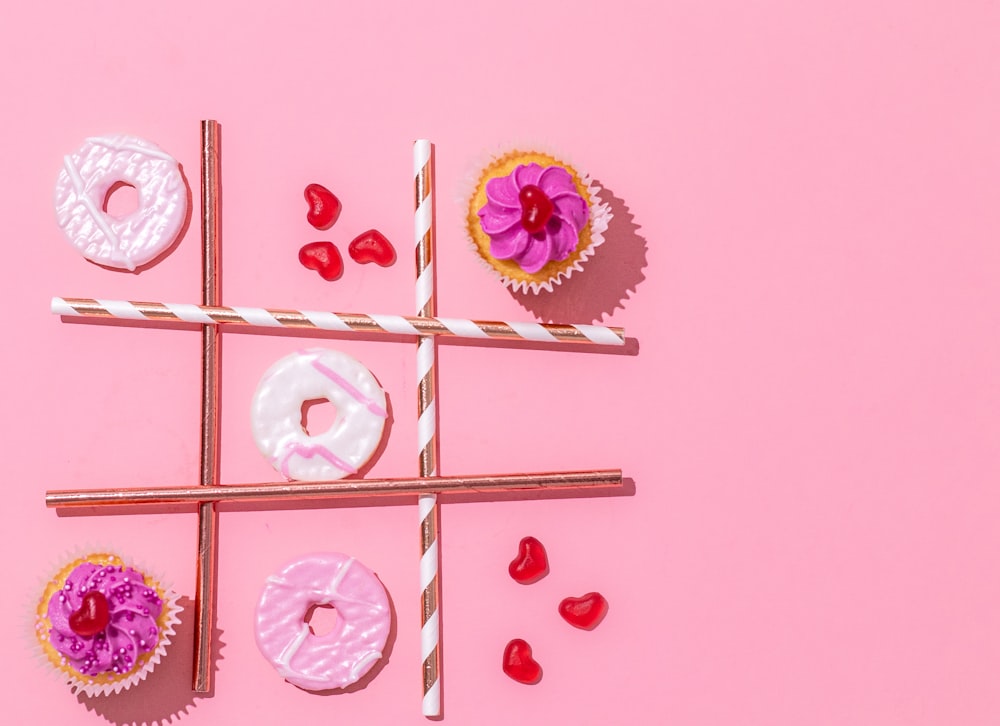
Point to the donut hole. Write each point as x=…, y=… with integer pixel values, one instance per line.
x=318, y=415
x=321, y=618
x=121, y=200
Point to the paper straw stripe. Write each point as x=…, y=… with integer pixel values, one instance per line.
x=337, y=322
x=463, y=328
x=121, y=309
x=326, y=321
x=395, y=324
x=258, y=317
x=185, y=311
x=426, y=430
x=425, y=359
x=63, y=308
x=423, y=225
x=598, y=334
x=425, y=286
x=532, y=331
x=428, y=647
x=427, y=574
x=433, y=696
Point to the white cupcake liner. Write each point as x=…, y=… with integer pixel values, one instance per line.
x=600, y=217
x=83, y=684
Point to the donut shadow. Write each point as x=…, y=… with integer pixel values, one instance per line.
x=362, y=683
x=607, y=278
x=169, y=250
x=166, y=693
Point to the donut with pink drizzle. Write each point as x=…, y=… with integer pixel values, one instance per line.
x=310, y=375
x=341, y=656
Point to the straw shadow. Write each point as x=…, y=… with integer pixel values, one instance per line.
x=629, y=348
x=166, y=693
x=608, y=277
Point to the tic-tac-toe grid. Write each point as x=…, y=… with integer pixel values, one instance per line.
x=211, y=316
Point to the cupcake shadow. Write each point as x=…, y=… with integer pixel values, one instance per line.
x=166, y=693
x=607, y=278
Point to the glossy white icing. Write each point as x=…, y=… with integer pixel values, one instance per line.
x=86, y=177
x=317, y=373
x=335, y=659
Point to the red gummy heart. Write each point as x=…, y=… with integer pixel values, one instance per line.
x=531, y=563
x=92, y=617
x=518, y=663
x=536, y=208
x=324, y=207
x=323, y=257
x=372, y=246
x=584, y=612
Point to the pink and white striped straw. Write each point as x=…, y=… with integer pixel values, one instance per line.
x=158, y=312
x=430, y=595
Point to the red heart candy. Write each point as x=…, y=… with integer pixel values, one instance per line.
x=518, y=663
x=536, y=208
x=324, y=207
x=584, y=612
x=531, y=563
x=323, y=257
x=372, y=246
x=92, y=617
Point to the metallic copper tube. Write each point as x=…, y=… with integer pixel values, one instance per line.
x=341, y=488
x=208, y=521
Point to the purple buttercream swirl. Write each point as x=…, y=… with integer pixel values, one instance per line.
x=133, y=607
x=501, y=217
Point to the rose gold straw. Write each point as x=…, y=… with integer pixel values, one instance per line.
x=208, y=521
x=427, y=451
x=487, y=484
x=337, y=322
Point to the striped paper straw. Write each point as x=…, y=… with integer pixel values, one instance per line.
x=430, y=595
x=337, y=322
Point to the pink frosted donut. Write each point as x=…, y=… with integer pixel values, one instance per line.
x=340, y=657
x=86, y=177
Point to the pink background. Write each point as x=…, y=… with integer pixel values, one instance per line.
x=805, y=251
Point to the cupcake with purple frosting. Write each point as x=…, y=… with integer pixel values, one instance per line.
x=103, y=624
x=534, y=219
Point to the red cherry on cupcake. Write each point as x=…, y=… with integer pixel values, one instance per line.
x=324, y=207
x=323, y=257
x=92, y=617
x=531, y=563
x=585, y=612
x=519, y=664
x=536, y=208
x=372, y=246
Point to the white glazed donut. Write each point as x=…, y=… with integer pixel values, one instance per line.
x=317, y=373
x=86, y=177
x=350, y=649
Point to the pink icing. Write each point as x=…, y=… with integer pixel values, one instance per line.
x=341, y=656
x=134, y=608
x=294, y=448
x=501, y=217
x=351, y=390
